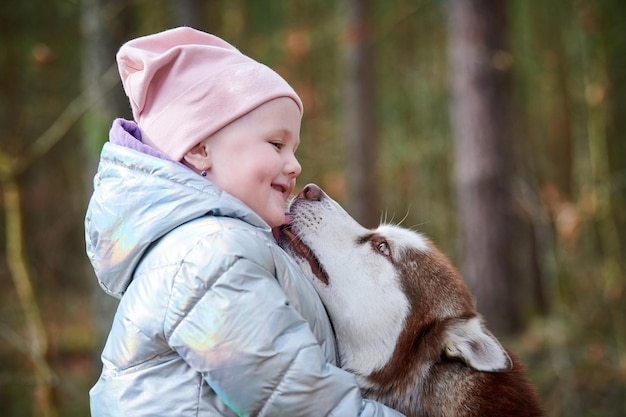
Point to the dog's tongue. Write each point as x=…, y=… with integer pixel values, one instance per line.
x=276, y=230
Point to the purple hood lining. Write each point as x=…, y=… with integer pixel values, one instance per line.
x=126, y=133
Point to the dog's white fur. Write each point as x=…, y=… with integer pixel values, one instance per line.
x=365, y=289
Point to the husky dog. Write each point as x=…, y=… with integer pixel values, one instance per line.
x=405, y=321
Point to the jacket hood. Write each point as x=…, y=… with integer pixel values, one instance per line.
x=139, y=196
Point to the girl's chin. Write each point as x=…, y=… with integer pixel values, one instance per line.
x=276, y=220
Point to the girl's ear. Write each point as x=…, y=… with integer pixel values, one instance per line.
x=198, y=158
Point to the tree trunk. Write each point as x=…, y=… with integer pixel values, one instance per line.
x=187, y=13
x=44, y=403
x=614, y=144
x=98, y=55
x=361, y=130
x=480, y=115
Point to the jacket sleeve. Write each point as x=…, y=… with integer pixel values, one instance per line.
x=230, y=320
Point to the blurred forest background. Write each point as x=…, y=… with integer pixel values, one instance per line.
x=496, y=127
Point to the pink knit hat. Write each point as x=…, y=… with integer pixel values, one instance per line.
x=184, y=85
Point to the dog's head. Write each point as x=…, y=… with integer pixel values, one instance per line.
x=386, y=289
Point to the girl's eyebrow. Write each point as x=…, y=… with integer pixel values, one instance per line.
x=281, y=132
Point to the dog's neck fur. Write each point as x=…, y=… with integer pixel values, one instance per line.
x=409, y=372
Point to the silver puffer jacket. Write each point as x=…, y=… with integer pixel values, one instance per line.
x=214, y=318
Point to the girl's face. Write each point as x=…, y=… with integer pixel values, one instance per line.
x=253, y=158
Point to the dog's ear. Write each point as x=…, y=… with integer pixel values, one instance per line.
x=470, y=341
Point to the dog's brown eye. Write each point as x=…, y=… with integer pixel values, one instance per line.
x=383, y=247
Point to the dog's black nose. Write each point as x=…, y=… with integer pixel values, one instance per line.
x=311, y=192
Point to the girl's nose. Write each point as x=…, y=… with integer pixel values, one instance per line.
x=293, y=167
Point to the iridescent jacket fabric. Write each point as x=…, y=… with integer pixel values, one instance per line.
x=214, y=317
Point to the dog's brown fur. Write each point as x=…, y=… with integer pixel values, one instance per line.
x=448, y=387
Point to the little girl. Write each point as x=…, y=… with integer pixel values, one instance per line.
x=214, y=318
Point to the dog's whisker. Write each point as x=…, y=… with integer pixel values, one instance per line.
x=383, y=217
x=408, y=210
x=416, y=227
